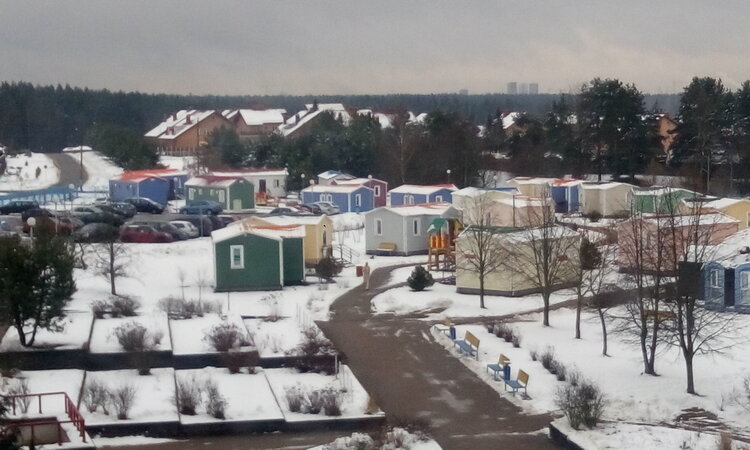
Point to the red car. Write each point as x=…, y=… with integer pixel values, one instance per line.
x=60, y=225
x=143, y=234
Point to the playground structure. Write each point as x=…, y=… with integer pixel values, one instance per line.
x=441, y=252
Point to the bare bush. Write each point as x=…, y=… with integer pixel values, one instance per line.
x=332, y=399
x=547, y=357
x=582, y=404
x=574, y=376
x=274, y=306
x=99, y=308
x=313, y=344
x=187, y=396
x=725, y=441
x=121, y=306
x=235, y=360
x=295, y=398
x=178, y=308
x=225, y=336
x=135, y=338
x=215, y=403
x=122, y=399
x=95, y=395
x=533, y=354
x=516, y=341
x=315, y=402
x=558, y=369
x=20, y=386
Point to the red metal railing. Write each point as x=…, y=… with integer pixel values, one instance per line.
x=70, y=409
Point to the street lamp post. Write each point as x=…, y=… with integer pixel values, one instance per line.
x=81, y=173
x=448, y=172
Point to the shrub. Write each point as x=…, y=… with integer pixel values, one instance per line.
x=547, y=357
x=122, y=399
x=582, y=404
x=124, y=306
x=533, y=354
x=725, y=441
x=420, y=279
x=558, y=369
x=315, y=402
x=501, y=330
x=235, y=360
x=574, y=376
x=177, y=308
x=516, y=341
x=187, y=396
x=295, y=398
x=95, y=395
x=331, y=398
x=134, y=337
x=20, y=386
x=274, y=306
x=215, y=403
x=313, y=344
x=327, y=268
x=595, y=216
x=225, y=336
x=100, y=308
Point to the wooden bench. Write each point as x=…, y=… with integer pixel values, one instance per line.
x=444, y=327
x=469, y=345
x=521, y=381
x=499, y=367
x=386, y=248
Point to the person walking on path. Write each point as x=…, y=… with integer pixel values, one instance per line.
x=366, y=276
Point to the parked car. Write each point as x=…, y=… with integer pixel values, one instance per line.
x=64, y=225
x=164, y=227
x=96, y=232
x=91, y=214
x=36, y=212
x=202, y=223
x=202, y=207
x=311, y=208
x=226, y=220
x=187, y=229
x=18, y=206
x=124, y=210
x=143, y=234
x=328, y=208
x=143, y=204
x=11, y=225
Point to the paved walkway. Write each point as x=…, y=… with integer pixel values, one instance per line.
x=70, y=168
x=416, y=380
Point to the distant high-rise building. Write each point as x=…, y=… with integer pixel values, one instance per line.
x=533, y=88
x=512, y=88
x=523, y=88
x=463, y=92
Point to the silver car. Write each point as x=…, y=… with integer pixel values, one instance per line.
x=186, y=229
x=328, y=208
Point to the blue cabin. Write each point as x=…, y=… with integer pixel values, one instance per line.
x=411, y=194
x=564, y=193
x=155, y=188
x=349, y=198
x=727, y=287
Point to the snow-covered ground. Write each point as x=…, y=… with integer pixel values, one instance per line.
x=248, y=396
x=138, y=440
x=71, y=332
x=21, y=173
x=99, y=170
x=396, y=438
x=443, y=301
x=177, y=162
x=103, y=339
x=632, y=396
x=190, y=334
x=276, y=338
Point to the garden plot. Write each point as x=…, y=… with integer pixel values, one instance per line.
x=293, y=388
x=152, y=400
x=277, y=338
x=248, y=397
x=103, y=339
x=442, y=300
x=190, y=334
x=41, y=381
x=71, y=332
x=632, y=396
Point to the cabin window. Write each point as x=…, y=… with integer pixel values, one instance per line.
x=714, y=278
x=378, y=227
x=358, y=200
x=237, y=257
x=200, y=191
x=744, y=281
x=438, y=198
x=322, y=197
x=329, y=198
x=191, y=194
x=276, y=183
x=415, y=227
x=221, y=196
x=408, y=199
x=377, y=193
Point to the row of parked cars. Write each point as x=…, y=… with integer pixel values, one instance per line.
x=107, y=219
x=316, y=208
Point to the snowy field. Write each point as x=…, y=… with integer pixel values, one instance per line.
x=632, y=396
x=277, y=338
x=440, y=300
x=21, y=173
x=99, y=170
x=190, y=334
x=104, y=340
x=71, y=332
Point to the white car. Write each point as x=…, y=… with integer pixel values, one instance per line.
x=186, y=229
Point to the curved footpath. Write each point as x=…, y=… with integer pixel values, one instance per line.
x=69, y=167
x=416, y=380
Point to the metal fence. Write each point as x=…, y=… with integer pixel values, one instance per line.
x=58, y=194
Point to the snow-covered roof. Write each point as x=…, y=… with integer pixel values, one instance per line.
x=531, y=234
x=139, y=175
x=510, y=118
x=251, y=172
x=331, y=174
x=178, y=123
x=422, y=189
x=334, y=188
x=476, y=192
x=257, y=116
x=293, y=220
x=523, y=201
x=296, y=121
x=276, y=232
x=657, y=190
x=383, y=119
x=734, y=250
x=423, y=209
x=77, y=149
x=604, y=186
x=690, y=220
x=212, y=180
x=358, y=181
x=722, y=203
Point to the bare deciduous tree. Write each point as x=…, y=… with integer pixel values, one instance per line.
x=112, y=260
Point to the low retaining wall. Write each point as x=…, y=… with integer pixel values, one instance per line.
x=151, y=429
x=562, y=439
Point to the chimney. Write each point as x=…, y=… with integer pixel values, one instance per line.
x=188, y=120
x=296, y=119
x=174, y=117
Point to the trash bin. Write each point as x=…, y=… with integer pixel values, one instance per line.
x=452, y=332
x=359, y=271
x=506, y=372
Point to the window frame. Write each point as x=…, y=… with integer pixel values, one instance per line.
x=416, y=225
x=241, y=263
x=378, y=227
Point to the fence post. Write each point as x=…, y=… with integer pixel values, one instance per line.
x=40, y=404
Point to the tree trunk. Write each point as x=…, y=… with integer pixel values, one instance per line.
x=481, y=291
x=689, y=370
x=112, y=274
x=579, y=305
x=545, y=298
x=604, y=332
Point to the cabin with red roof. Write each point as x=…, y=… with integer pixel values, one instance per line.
x=159, y=185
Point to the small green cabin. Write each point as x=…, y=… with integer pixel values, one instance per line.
x=659, y=200
x=233, y=193
x=251, y=258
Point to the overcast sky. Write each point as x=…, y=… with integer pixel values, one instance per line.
x=375, y=46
